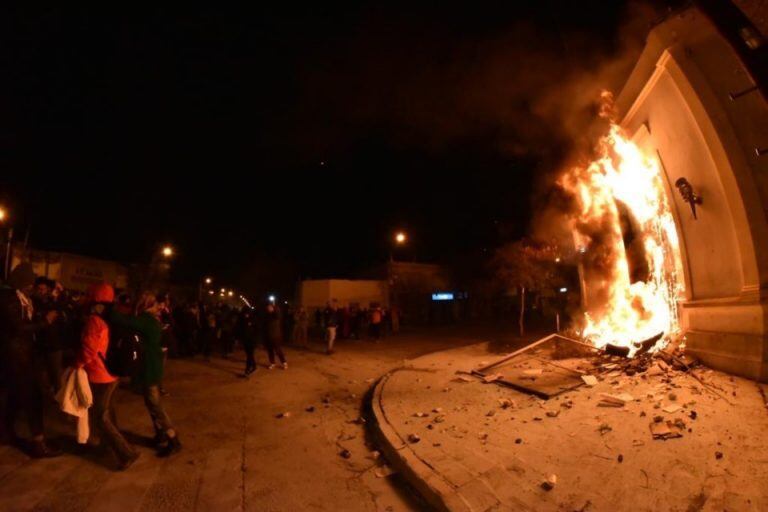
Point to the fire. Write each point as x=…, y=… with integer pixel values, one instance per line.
x=624, y=229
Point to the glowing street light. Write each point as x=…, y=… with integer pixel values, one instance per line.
x=210, y=292
x=230, y=293
x=223, y=290
x=272, y=298
x=3, y=214
x=208, y=280
x=167, y=251
x=400, y=238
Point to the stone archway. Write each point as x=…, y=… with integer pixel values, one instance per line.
x=678, y=103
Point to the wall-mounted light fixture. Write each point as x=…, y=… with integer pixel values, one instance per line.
x=689, y=196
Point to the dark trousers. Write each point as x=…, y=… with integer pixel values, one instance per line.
x=250, y=355
x=24, y=395
x=104, y=417
x=160, y=419
x=273, y=347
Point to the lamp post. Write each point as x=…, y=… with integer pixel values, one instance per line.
x=8, y=242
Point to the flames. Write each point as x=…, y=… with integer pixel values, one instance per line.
x=629, y=251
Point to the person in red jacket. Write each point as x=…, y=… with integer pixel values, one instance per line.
x=93, y=353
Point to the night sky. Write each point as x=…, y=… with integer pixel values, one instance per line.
x=298, y=135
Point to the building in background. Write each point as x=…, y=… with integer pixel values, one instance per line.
x=318, y=293
x=73, y=271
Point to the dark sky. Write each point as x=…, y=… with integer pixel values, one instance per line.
x=300, y=134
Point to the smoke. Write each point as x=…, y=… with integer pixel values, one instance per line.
x=529, y=91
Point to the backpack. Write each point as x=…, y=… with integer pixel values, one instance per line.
x=124, y=354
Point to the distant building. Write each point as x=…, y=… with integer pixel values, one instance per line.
x=73, y=271
x=317, y=293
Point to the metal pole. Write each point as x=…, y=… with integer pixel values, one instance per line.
x=8, y=253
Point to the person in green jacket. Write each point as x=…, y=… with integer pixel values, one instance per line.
x=147, y=325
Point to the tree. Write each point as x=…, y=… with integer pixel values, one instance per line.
x=527, y=266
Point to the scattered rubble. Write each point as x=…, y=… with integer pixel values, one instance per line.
x=589, y=380
x=604, y=428
x=463, y=378
x=310, y=408
x=665, y=430
x=283, y=415
x=507, y=403
x=671, y=409
x=414, y=438
x=383, y=472
x=553, y=414
x=620, y=400
x=718, y=455
x=420, y=414
x=532, y=374
x=345, y=454
x=549, y=483
x=492, y=378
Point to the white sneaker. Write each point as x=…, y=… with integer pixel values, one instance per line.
x=285, y=366
x=271, y=367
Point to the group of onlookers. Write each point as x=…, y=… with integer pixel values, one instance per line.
x=46, y=332
x=49, y=336
x=356, y=323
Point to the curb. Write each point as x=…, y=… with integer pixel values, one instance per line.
x=437, y=492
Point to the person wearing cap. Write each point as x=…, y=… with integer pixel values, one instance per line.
x=19, y=358
x=93, y=353
x=150, y=376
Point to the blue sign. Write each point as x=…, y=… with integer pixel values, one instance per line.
x=442, y=296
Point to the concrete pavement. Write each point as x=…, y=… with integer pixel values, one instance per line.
x=469, y=446
x=237, y=454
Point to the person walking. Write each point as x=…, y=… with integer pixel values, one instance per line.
x=273, y=336
x=150, y=376
x=331, y=323
x=93, y=353
x=20, y=359
x=248, y=335
x=376, y=321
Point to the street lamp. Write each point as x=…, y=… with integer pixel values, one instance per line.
x=208, y=280
x=167, y=251
x=223, y=290
x=2, y=214
x=230, y=293
x=400, y=238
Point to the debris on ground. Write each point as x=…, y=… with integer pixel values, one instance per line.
x=383, y=471
x=310, y=408
x=718, y=455
x=492, y=378
x=532, y=373
x=549, y=483
x=518, y=441
x=507, y=403
x=604, y=428
x=671, y=408
x=620, y=400
x=553, y=414
x=665, y=430
x=439, y=418
x=283, y=415
x=620, y=458
x=589, y=380
x=463, y=378
x=345, y=454
x=420, y=414
x=437, y=410
x=568, y=404
x=490, y=413
x=414, y=438
x=358, y=421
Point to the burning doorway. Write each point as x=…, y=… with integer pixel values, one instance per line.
x=691, y=113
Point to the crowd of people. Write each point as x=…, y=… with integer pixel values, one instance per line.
x=50, y=336
x=46, y=332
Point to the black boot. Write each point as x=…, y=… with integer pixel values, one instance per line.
x=173, y=446
x=43, y=450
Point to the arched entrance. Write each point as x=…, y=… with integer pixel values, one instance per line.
x=682, y=103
